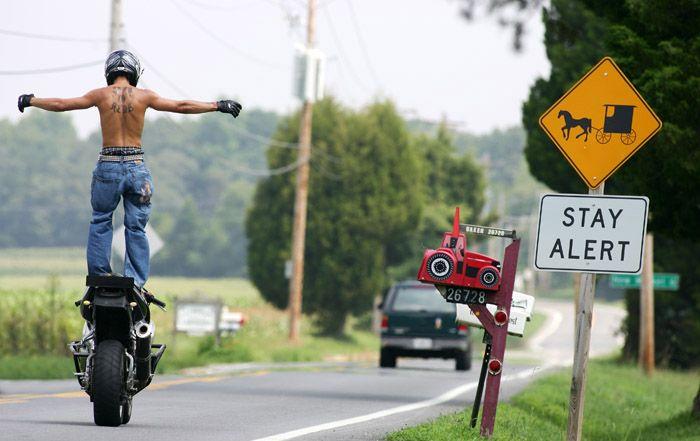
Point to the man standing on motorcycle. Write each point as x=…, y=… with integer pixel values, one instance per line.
x=120, y=170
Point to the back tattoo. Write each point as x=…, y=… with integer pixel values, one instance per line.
x=121, y=101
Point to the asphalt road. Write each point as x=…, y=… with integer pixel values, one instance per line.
x=312, y=401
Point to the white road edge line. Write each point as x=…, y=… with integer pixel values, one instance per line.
x=447, y=396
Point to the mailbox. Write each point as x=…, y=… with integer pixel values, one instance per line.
x=453, y=265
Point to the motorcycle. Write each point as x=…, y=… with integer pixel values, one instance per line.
x=115, y=359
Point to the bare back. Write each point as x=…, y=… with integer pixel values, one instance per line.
x=123, y=108
x=122, y=111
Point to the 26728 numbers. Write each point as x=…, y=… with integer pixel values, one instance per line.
x=465, y=295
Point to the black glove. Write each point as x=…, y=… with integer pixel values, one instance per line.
x=229, y=106
x=24, y=101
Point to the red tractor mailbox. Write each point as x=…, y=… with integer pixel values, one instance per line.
x=476, y=280
x=453, y=265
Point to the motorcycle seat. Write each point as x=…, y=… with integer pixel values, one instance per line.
x=110, y=281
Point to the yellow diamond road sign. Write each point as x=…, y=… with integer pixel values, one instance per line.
x=600, y=122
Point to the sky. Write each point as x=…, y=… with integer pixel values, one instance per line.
x=419, y=53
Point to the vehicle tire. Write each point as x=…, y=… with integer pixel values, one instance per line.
x=463, y=361
x=107, y=383
x=387, y=359
x=126, y=410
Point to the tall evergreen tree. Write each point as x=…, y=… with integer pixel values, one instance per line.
x=657, y=45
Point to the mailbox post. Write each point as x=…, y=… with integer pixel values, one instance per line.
x=497, y=329
x=483, y=286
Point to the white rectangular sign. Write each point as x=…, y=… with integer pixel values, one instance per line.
x=593, y=234
x=520, y=312
x=516, y=321
x=196, y=318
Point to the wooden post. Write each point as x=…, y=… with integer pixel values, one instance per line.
x=116, y=27
x=377, y=315
x=646, y=308
x=577, y=297
x=584, y=317
x=301, y=198
x=503, y=299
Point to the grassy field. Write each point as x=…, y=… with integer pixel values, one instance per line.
x=45, y=280
x=621, y=405
x=49, y=280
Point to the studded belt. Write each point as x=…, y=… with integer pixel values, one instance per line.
x=112, y=158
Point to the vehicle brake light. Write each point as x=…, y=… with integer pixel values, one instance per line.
x=462, y=329
x=385, y=323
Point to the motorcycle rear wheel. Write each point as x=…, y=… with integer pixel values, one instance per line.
x=108, y=383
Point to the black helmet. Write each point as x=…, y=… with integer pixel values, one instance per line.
x=124, y=63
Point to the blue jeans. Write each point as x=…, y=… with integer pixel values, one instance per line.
x=110, y=182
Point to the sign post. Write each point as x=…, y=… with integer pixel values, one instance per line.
x=582, y=342
x=598, y=125
x=646, y=310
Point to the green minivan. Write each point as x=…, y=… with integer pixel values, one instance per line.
x=418, y=322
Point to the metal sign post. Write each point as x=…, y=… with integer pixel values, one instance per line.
x=482, y=380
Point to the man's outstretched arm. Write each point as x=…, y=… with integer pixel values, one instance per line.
x=189, y=106
x=57, y=104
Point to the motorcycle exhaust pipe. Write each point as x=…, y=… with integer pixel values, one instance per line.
x=144, y=333
x=143, y=329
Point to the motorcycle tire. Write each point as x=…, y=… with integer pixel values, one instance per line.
x=108, y=383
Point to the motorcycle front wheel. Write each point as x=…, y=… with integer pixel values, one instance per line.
x=108, y=383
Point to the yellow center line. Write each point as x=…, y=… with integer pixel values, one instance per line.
x=23, y=398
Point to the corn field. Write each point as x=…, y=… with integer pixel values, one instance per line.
x=38, y=321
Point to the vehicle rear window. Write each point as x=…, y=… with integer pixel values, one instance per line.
x=409, y=299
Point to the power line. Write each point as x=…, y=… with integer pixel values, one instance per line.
x=52, y=37
x=361, y=40
x=172, y=85
x=271, y=142
x=274, y=171
x=211, y=7
x=343, y=56
x=50, y=69
x=223, y=42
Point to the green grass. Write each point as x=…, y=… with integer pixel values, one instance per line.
x=621, y=405
x=27, y=274
x=26, y=367
x=42, y=262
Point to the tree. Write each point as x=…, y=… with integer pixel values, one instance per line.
x=362, y=205
x=449, y=179
x=657, y=45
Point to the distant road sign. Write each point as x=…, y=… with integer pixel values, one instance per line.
x=662, y=281
x=155, y=243
x=594, y=234
x=197, y=317
x=600, y=122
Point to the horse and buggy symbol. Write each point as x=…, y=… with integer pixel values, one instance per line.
x=618, y=120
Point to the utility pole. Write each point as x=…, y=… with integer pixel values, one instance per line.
x=646, y=308
x=302, y=192
x=116, y=27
